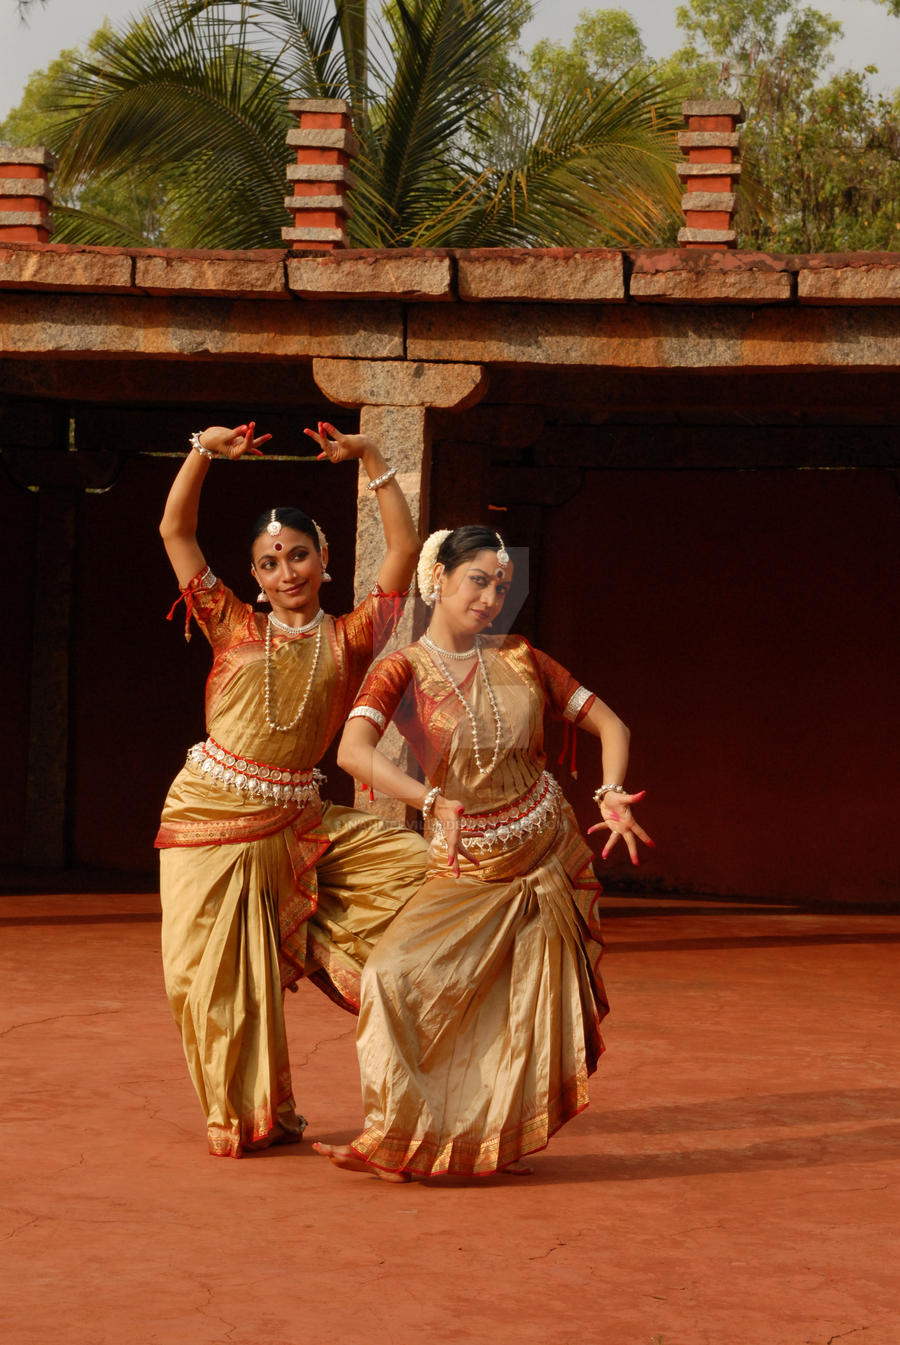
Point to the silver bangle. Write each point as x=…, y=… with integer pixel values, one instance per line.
x=382, y=480
x=428, y=802
x=600, y=794
x=198, y=447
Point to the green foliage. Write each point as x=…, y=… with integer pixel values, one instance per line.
x=192, y=97
x=820, y=161
x=606, y=44
x=124, y=209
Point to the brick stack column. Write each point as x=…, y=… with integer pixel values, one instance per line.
x=25, y=194
x=711, y=172
x=321, y=177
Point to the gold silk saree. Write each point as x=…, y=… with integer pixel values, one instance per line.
x=261, y=881
x=481, y=1006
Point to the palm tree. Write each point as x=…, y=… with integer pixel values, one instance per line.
x=193, y=97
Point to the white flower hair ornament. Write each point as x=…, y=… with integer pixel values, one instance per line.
x=427, y=562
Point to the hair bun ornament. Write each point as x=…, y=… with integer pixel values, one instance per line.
x=427, y=561
x=323, y=540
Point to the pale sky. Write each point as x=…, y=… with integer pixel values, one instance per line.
x=871, y=34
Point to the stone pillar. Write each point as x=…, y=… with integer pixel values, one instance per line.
x=394, y=398
x=321, y=177
x=25, y=194
x=711, y=172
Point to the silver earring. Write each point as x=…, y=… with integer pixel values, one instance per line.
x=437, y=591
x=262, y=597
x=326, y=577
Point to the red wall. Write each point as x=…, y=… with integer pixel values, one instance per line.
x=745, y=625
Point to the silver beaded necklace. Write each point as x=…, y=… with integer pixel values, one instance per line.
x=470, y=713
x=449, y=653
x=314, y=625
x=297, y=630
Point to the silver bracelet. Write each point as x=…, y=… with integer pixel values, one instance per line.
x=382, y=480
x=428, y=802
x=600, y=794
x=198, y=447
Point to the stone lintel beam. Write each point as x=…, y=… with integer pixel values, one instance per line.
x=366, y=383
x=706, y=276
x=551, y=275
x=403, y=273
x=849, y=278
x=230, y=277
x=183, y=328
x=658, y=336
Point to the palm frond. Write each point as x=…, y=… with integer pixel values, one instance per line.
x=589, y=167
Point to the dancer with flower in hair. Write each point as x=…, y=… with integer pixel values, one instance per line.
x=481, y=1006
x=262, y=881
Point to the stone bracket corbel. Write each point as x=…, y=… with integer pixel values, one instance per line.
x=359, y=383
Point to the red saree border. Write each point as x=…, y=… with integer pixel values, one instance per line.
x=427, y=1157
x=233, y=831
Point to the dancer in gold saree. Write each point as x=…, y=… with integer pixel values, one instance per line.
x=481, y=1006
x=261, y=881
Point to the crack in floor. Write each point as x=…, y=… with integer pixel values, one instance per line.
x=57, y=1018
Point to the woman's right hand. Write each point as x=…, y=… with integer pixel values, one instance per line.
x=225, y=443
x=449, y=812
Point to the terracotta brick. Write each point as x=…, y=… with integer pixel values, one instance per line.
x=549, y=275
x=417, y=273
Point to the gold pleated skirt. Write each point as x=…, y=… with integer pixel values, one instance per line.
x=481, y=1010
x=241, y=920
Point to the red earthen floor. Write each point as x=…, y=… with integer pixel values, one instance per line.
x=734, y=1181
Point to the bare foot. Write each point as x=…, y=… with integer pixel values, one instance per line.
x=342, y=1156
x=518, y=1169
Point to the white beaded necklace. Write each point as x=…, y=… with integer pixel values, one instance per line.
x=314, y=625
x=297, y=630
x=498, y=725
x=448, y=653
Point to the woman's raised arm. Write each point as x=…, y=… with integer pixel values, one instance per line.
x=402, y=543
x=178, y=525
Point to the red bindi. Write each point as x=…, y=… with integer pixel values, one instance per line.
x=278, y=547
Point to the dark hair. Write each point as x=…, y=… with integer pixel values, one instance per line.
x=464, y=543
x=290, y=518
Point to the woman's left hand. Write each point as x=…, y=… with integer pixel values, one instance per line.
x=337, y=447
x=619, y=820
